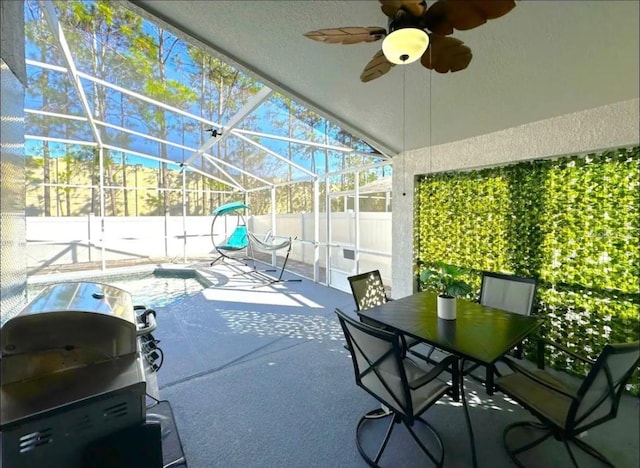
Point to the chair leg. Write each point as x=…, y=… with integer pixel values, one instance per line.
x=379, y=413
x=222, y=258
x=523, y=448
x=439, y=462
x=363, y=454
x=573, y=459
x=589, y=450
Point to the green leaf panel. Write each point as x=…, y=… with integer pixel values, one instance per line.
x=572, y=223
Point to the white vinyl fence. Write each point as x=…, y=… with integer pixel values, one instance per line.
x=68, y=240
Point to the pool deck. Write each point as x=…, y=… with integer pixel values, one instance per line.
x=258, y=376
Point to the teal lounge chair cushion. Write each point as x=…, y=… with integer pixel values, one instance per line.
x=238, y=239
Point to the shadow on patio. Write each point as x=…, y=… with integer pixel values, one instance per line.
x=259, y=377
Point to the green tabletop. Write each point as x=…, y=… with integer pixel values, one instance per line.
x=481, y=333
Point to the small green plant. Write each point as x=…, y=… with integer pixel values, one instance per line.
x=444, y=279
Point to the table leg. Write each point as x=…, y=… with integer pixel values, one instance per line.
x=456, y=376
x=488, y=380
x=474, y=459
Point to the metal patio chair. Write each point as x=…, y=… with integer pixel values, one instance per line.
x=368, y=291
x=506, y=292
x=565, y=412
x=398, y=383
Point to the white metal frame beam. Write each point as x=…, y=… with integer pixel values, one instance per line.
x=61, y=140
x=131, y=152
x=235, y=131
x=238, y=117
x=276, y=155
x=209, y=157
x=270, y=136
x=52, y=18
x=55, y=114
x=155, y=158
x=147, y=99
x=214, y=160
x=225, y=173
x=253, y=103
x=147, y=11
x=242, y=171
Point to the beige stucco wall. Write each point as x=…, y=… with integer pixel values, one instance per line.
x=595, y=129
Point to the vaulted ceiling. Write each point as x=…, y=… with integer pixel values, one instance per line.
x=543, y=59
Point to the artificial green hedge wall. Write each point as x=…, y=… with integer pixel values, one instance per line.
x=572, y=223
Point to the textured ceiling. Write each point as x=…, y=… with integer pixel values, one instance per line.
x=543, y=59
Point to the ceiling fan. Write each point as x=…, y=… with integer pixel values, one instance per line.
x=417, y=32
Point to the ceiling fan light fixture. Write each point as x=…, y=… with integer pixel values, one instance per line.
x=405, y=45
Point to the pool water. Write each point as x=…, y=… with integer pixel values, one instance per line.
x=146, y=289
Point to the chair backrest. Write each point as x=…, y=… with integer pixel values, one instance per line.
x=508, y=292
x=377, y=363
x=600, y=392
x=367, y=289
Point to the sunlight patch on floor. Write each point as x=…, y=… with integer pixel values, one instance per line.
x=308, y=327
x=266, y=297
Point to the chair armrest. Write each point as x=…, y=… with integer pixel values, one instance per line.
x=541, y=344
x=531, y=376
x=435, y=372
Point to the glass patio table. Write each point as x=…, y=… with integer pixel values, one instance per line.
x=480, y=333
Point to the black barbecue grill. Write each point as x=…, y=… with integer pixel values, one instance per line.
x=77, y=366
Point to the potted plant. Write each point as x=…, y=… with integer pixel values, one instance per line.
x=445, y=280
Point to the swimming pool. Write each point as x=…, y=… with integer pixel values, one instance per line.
x=148, y=289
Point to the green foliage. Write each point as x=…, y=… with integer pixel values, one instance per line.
x=571, y=223
x=445, y=280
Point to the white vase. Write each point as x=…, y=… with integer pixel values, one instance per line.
x=447, y=308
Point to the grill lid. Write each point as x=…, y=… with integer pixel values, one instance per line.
x=83, y=297
x=74, y=315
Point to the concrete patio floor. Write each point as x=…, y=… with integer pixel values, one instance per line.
x=259, y=377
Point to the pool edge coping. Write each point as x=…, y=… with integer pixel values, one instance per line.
x=181, y=270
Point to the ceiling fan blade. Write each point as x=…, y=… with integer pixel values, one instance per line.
x=446, y=15
x=413, y=7
x=348, y=35
x=377, y=66
x=446, y=54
